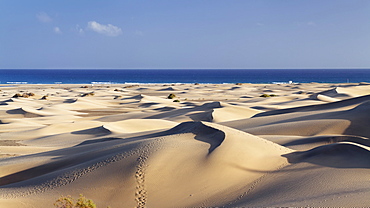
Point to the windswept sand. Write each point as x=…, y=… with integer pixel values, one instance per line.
x=220, y=146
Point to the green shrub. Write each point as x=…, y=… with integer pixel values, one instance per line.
x=176, y=101
x=266, y=95
x=130, y=86
x=87, y=94
x=68, y=202
x=17, y=95
x=171, y=96
x=25, y=95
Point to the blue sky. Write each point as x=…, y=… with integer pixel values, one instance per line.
x=187, y=34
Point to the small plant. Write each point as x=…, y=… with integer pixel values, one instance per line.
x=130, y=86
x=87, y=94
x=171, y=96
x=25, y=95
x=177, y=101
x=266, y=95
x=68, y=202
x=45, y=97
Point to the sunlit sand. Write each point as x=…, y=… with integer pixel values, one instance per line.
x=303, y=145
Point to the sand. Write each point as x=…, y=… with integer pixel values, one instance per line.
x=307, y=145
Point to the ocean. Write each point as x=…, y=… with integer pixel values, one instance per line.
x=215, y=76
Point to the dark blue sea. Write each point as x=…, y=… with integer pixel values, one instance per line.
x=216, y=76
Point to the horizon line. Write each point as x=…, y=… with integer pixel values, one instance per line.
x=324, y=68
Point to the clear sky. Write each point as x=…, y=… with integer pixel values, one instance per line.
x=171, y=34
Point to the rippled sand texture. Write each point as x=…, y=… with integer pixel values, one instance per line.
x=304, y=145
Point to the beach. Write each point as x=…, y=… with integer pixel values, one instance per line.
x=186, y=145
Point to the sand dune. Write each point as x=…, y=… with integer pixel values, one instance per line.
x=306, y=143
x=220, y=146
x=231, y=112
x=138, y=125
